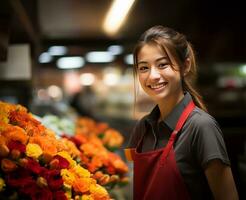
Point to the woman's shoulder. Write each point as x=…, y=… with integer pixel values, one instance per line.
x=201, y=119
x=137, y=132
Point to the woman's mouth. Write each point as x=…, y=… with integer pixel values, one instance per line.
x=157, y=86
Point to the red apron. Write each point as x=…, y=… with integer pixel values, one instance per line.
x=156, y=176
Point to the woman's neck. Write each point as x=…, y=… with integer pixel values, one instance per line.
x=168, y=104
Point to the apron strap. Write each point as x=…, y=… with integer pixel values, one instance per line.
x=188, y=109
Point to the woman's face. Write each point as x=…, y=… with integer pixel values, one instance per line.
x=157, y=76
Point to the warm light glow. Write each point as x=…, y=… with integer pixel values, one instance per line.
x=42, y=95
x=71, y=82
x=111, y=79
x=55, y=92
x=116, y=15
x=87, y=79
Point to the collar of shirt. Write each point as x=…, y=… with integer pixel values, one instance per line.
x=172, y=119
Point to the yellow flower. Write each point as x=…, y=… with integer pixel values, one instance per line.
x=33, y=150
x=68, y=190
x=81, y=172
x=87, y=197
x=68, y=177
x=98, y=192
x=78, y=197
x=2, y=184
x=66, y=155
x=82, y=185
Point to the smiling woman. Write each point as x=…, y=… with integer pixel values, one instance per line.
x=178, y=149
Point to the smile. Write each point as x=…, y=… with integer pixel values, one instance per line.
x=158, y=86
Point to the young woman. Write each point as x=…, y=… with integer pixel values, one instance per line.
x=178, y=149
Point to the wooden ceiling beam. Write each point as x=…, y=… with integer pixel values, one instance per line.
x=24, y=19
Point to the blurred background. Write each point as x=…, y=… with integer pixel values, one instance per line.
x=64, y=57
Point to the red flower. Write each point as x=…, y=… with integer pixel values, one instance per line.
x=20, y=178
x=17, y=145
x=37, y=193
x=8, y=165
x=62, y=162
x=53, y=178
x=33, y=166
x=59, y=195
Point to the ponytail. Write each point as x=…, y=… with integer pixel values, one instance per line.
x=187, y=82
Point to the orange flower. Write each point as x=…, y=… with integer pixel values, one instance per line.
x=15, y=133
x=89, y=149
x=70, y=147
x=26, y=121
x=98, y=192
x=4, y=150
x=118, y=163
x=47, y=144
x=81, y=138
x=101, y=127
x=82, y=185
x=97, y=161
x=112, y=138
x=8, y=165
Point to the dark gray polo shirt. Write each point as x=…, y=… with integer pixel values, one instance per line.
x=199, y=141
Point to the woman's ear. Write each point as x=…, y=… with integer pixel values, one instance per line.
x=187, y=66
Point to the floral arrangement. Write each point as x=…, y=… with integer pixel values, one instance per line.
x=35, y=165
x=91, y=144
x=111, y=138
x=108, y=168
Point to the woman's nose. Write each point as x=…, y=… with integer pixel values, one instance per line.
x=154, y=73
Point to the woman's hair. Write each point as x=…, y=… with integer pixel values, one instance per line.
x=176, y=46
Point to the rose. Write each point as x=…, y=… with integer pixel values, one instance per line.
x=59, y=162
x=33, y=150
x=59, y=195
x=8, y=165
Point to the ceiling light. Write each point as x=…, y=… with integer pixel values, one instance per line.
x=45, y=58
x=115, y=49
x=99, y=57
x=116, y=15
x=243, y=69
x=129, y=59
x=57, y=50
x=70, y=62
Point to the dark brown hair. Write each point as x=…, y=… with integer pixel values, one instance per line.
x=176, y=46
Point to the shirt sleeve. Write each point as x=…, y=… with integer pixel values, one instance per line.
x=135, y=135
x=208, y=142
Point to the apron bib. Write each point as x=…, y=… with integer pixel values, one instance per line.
x=156, y=175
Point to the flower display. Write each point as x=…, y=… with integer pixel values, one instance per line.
x=107, y=167
x=36, y=165
x=111, y=138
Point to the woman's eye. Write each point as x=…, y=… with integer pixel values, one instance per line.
x=163, y=65
x=142, y=68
